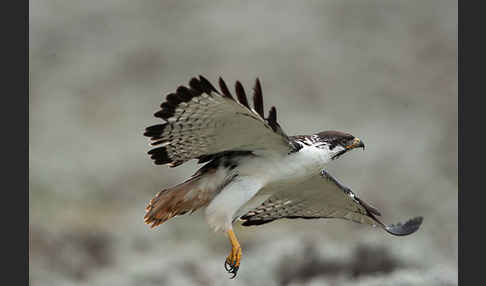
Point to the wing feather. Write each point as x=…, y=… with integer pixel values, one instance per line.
x=224, y=89
x=318, y=198
x=258, y=98
x=201, y=122
x=240, y=93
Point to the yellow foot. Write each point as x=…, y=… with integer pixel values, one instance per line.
x=232, y=263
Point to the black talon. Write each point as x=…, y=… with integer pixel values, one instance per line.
x=227, y=266
x=230, y=268
x=234, y=271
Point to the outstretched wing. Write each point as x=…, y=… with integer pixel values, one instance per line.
x=322, y=196
x=202, y=122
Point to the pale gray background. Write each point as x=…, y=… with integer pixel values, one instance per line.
x=385, y=71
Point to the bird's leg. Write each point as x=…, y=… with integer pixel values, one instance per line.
x=232, y=263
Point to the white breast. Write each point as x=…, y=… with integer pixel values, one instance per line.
x=286, y=169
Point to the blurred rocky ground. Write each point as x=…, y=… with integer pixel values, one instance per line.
x=385, y=71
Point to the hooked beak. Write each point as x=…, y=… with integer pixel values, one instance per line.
x=357, y=143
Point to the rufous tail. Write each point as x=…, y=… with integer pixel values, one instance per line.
x=174, y=201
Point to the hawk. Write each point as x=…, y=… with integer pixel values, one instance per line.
x=253, y=172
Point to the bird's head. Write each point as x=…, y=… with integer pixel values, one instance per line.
x=336, y=143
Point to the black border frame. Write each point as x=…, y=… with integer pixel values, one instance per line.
x=471, y=49
x=15, y=144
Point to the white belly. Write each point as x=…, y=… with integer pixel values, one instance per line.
x=222, y=209
x=258, y=178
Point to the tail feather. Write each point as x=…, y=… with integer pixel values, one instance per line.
x=174, y=201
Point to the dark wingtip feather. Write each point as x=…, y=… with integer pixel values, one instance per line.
x=173, y=98
x=184, y=93
x=224, y=88
x=160, y=155
x=272, y=118
x=196, y=86
x=206, y=85
x=240, y=94
x=258, y=98
x=409, y=227
x=155, y=131
x=164, y=113
x=272, y=115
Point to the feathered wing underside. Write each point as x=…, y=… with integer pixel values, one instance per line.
x=201, y=122
x=322, y=196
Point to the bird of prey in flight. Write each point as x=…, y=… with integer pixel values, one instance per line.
x=253, y=172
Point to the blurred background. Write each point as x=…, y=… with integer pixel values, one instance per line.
x=385, y=71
